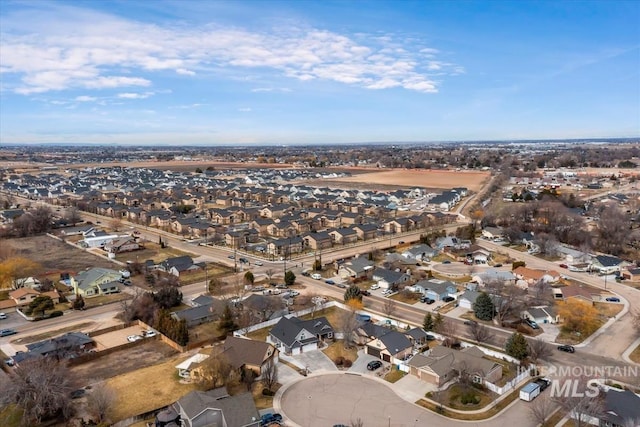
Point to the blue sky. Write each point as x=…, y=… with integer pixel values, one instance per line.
x=307, y=72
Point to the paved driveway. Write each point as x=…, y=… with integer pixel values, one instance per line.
x=325, y=400
x=315, y=360
x=360, y=364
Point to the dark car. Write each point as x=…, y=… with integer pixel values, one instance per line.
x=306, y=274
x=429, y=301
x=373, y=365
x=430, y=337
x=270, y=418
x=243, y=260
x=564, y=266
x=531, y=323
x=448, y=299
x=498, y=265
x=613, y=299
x=365, y=292
x=567, y=348
x=231, y=257
x=7, y=332
x=446, y=262
x=543, y=383
x=329, y=282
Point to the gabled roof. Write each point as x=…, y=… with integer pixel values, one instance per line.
x=244, y=351
x=608, y=261
x=180, y=263
x=238, y=411
x=388, y=276
x=621, y=406
x=395, y=341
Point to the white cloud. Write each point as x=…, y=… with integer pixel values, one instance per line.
x=80, y=48
x=244, y=109
x=185, y=72
x=85, y=98
x=134, y=95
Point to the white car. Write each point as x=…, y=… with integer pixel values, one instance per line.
x=134, y=338
x=148, y=334
x=258, y=263
x=316, y=276
x=374, y=287
x=3, y=316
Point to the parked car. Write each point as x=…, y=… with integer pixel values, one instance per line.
x=134, y=338
x=294, y=293
x=3, y=316
x=609, y=299
x=448, y=299
x=149, y=333
x=564, y=266
x=306, y=274
x=316, y=276
x=7, y=332
x=258, y=263
x=374, y=287
x=243, y=260
x=231, y=256
x=387, y=292
x=567, y=348
x=498, y=265
x=373, y=365
x=429, y=301
x=532, y=323
x=342, y=285
x=270, y=418
x=9, y=362
x=127, y=282
x=365, y=292
x=446, y=262
x=543, y=383
x=329, y=282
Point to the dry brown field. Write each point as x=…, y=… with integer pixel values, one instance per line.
x=473, y=180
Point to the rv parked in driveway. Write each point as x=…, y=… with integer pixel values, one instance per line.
x=530, y=392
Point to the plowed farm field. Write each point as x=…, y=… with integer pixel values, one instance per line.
x=472, y=180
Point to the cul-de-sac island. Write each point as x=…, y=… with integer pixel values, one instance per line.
x=450, y=284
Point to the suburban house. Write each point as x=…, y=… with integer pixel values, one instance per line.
x=96, y=281
x=122, y=244
x=575, y=292
x=621, y=408
x=420, y=252
x=68, y=345
x=631, y=274
x=606, y=264
x=492, y=275
x=24, y=296
x=189, y=367
x=542, y=314
x=357, y=268
x=204, y=312
x=295, y=336
x=442, y=364
x=26, y=282
x=492, y=233
x=389, y=279
x=211, y=408
x=531, y=276
x=384, y=343
x=437, y=290
x=418, y=337
x=179, y=265
x=468, y=298
x=245, y=353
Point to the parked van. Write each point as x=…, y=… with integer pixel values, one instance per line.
x=316, y=276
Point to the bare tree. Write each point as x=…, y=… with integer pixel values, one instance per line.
x=389, y=307
x=539, y=349
x=100, y=401
x=215, y=372
x=542, y=408
x=447, y=328
x=357, y=423
x=541, y=293
x=269, y=376
x=508, y=299
x=73, y=216
x=581, y=404
x=40, y=387
x=269, y=272
x=480, y=333
x=348, y=324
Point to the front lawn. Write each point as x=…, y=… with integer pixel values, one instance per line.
x=456, y=394
x=406, y=297
x=336, y=349
x=635, y=354
x=394, y=375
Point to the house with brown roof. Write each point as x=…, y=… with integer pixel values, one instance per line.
x=442, y=364
x=245, y=353
x=575, y=291
x=531, y=276
x=23, y=296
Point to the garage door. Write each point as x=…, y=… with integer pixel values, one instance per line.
x=373, y=352
x=386, y=357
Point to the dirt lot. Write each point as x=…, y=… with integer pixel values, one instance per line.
x=473, y=180
x=121, y=362
x=55, y=256
x=151, y=251
x=115, y=338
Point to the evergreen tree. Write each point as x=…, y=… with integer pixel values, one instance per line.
x=249, y=278
x=78, y=303
x=517, y=346
x=227, y=324
x=483, y=308
x=428, y=323
x=352, y=292
x=289, y=278
x=437, y=321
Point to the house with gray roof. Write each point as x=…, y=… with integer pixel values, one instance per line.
x=442, y=364
x=295, y=336
x=356, y=268
x=68, y=345
x=437, y=289
x=211, y=408
x=420, y=252
x=389, y=279
x=206, y=312
x=178, y=265
x=91, y=282
x=621, y=408
x=468, y=299
x=389, y=345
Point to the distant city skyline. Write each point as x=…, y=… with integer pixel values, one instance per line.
x=311, y=72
